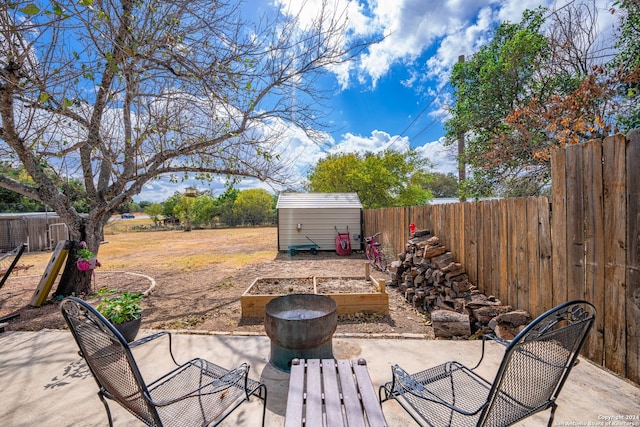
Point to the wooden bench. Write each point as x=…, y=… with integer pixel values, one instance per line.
x=332, y=393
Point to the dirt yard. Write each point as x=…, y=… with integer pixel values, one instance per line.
x=199, y=277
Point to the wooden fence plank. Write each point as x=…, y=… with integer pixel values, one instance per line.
x=575, y=224
x=533, y=256
x=459, y=229
x=487, y=248
x=496, y=247
x=471, y=241
x=421, y=218
x=482, y=264
x=503, y=283
x=512, y=258
x=427, y=218
x=522, y=266
x=559, y=226
x=614, y=173
x=544, y=238
x=440, y=230
x=633, y=257
x=447, y=225
x=594, y=243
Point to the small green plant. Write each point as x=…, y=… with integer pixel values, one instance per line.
x=86, y=259
x=84, y=252
x=119, y=307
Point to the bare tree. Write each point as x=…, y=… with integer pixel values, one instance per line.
x=120, y=92
x=575, y=40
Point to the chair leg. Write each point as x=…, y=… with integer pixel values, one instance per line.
x=263, y=388
x=386, y=395
x=553, y=412
x=106, y=407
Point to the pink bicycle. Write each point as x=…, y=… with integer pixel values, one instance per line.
x=375, y=253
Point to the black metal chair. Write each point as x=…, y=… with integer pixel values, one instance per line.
x=535, y=366
x=197, y=392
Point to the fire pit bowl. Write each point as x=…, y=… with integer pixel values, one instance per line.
x=300, y=326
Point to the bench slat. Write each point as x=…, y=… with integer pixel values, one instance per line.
x=295, y=398
x=332, y=400
x=314, y=393
x=368, y=395
x=350, y=399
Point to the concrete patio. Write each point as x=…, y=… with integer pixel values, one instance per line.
x=45, y=382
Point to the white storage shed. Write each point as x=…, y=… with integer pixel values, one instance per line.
x=307, y=218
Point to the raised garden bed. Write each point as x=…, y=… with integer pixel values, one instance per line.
x=352, y=294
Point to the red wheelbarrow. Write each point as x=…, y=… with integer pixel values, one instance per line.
x=343, y=242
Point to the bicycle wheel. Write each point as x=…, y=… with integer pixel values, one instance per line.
x=381, y=261
x=371, y=256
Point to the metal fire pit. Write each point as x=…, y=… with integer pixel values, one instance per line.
x=300, y=326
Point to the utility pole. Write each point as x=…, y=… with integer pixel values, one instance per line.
x=462, y=173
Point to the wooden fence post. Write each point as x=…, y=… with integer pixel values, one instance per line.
x=614, y=313
x=633, y=257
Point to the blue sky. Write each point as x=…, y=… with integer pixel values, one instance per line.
x=396, y=92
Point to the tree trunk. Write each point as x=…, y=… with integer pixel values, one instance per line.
x=74, y=281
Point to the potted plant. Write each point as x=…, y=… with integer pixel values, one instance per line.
x=86, y=259
x=123, y=310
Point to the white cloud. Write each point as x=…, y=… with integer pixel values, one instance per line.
x=375, y=143
x=443, y=158
x=412, y=28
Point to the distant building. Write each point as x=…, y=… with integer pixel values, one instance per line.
x=307, y=218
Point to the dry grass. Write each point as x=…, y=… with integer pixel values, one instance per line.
x=177, y=250
x=173, y=250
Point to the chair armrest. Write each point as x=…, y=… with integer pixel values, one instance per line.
x=148, y=338
x=152, y=337
x=485, y=338
x=496, y=339
x=406, y=381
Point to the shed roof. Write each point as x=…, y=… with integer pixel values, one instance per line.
x=319, y=200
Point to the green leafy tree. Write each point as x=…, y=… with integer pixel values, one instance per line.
x=144, y=204
x=224, y=206
x=129, y=206
x=442, y=185
x=154, y=211
x=76, y=194
x=627, y=62
x=72, y=189
x=10, y=201
x=386, y=179
x=500, y=76
x=254, y=207
x=204, y=209
x=169, y=204
x=121, y=92
x=185, y=212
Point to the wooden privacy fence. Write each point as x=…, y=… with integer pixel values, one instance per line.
x=533, y=254
x=32, y=229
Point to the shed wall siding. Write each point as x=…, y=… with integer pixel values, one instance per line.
x=318, y=225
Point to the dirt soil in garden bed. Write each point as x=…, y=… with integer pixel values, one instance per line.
x=301, y=285
x=344, y=285
x=198, y=278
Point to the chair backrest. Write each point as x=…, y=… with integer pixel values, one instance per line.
x=109, y=358
x=537, y=362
